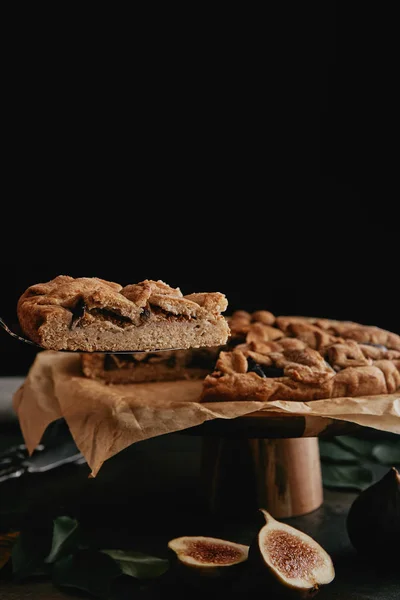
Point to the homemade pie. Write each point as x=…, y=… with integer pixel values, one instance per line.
x=303, y=358
x=168, y=365
x=90, y=314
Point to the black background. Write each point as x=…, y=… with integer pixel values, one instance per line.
x=252, y=159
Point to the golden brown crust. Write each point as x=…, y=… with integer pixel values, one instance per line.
x=303, y=358
x=90, y=314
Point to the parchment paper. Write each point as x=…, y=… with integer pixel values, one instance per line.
x=105, y=419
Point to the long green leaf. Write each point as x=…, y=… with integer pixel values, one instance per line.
x=30, y=550
x=87, y=570
x=65, y=538
x=357, y=445
x=332, y=452
x=347, y=477
x=387, y=453
x=136, y=564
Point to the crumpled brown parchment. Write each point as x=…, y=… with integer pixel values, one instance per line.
x=105, y=419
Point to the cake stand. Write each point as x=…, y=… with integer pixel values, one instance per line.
x=259, y=461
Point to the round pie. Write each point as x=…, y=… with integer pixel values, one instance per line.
x=303, y=358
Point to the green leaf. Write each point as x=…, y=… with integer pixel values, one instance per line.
x=356, y=445
x=87, y=570
x=30, y=550
x=331, y=452
x=387, y=453
x=42, y=543
x=65, y=538
x=347, y=477
x=136, y=564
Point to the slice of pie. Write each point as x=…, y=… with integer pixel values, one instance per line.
x=90, y=314
x=168, y=365
x=302, y=358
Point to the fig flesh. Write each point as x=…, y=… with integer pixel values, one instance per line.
x=373, y=521
x=293, y=562
x=209, y=556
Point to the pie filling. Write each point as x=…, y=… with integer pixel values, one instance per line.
x=127, y=361
x=263, y=370
x=82, y=315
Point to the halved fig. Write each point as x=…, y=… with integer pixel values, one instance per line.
x=293, y=561
x=209, y=556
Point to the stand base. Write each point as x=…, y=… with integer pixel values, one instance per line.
x=282, y=476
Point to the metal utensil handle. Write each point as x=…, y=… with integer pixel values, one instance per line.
x=14, y=335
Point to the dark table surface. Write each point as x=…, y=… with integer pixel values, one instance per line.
x=151, y=493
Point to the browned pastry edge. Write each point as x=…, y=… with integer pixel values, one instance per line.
x=303, y=358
